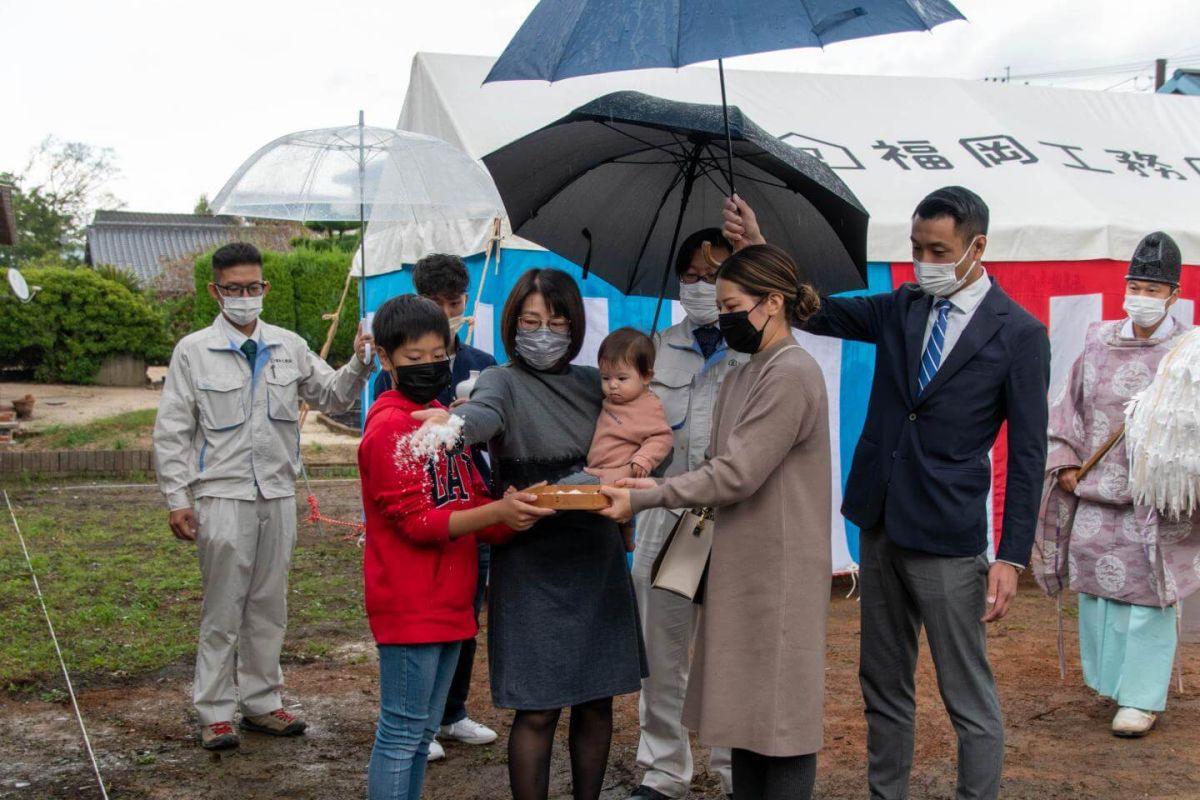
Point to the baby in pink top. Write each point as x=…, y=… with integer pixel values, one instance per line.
x=632, y=434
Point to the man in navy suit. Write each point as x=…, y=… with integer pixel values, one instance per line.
x=955, y=358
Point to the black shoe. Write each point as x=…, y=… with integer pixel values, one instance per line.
x=646, y=793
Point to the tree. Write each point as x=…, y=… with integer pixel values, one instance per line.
x=55, y=196
x=202, y=207
x=42, y=230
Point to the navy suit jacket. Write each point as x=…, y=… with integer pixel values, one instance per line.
x=921, y=469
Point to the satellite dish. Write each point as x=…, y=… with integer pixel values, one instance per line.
x=16, y=282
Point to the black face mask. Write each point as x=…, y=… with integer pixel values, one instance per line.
x=739, y=332
x=421, y=383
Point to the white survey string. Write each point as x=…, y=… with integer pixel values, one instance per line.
x=54, y=638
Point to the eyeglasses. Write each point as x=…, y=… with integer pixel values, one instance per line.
x=556, y=324
x=691, y=278
x=255, y=289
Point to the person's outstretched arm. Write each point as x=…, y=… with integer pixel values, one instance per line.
x=327, y=389
x=857, y=318
x=779, y=412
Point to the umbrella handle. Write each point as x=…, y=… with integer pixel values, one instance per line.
x=709, y=258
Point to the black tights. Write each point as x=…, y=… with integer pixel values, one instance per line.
x=759, y=777
x=532, y=740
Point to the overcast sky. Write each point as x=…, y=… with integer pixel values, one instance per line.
x=184, y=92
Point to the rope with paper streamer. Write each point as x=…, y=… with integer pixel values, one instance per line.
x=1162, y=425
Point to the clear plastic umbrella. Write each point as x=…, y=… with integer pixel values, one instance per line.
x=406, y=182
x=362, y=173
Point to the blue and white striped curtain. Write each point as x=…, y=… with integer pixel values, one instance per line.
x=848, y=366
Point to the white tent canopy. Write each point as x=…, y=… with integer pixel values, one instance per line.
x=1069, y=175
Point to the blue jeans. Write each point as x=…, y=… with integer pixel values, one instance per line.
x=413, y=682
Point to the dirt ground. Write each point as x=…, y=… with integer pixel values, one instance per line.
x=67, y=404
x=143, y=727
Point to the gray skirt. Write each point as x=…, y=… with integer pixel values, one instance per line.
x=563, y=623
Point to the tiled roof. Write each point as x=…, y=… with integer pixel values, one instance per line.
x=142, y=243
x=8, y=218
x=146, y=218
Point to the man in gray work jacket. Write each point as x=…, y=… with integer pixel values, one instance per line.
x=227, y=445
x=690, y=362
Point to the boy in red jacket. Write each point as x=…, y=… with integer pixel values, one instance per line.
x=424, y=507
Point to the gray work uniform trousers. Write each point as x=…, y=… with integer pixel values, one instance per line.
x=245, y=549
x=668, y=626
x=901, y=590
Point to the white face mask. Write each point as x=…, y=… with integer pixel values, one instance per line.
x=941, y=280
x=1146, y=312
x=241, y=310
x=699, y=300
x=457, y=323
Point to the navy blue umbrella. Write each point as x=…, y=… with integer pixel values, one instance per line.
x=568, y=38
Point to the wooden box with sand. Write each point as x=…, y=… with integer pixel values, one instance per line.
x=565, y=497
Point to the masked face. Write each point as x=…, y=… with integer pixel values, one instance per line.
x=1147, y=302
x=941, y=280
x=739, y=332
x=419, y=368
x=699, y=301
x=422, y=383
x=542, y=349
x=239, y=291
x=1146, y=312
x=242, y=310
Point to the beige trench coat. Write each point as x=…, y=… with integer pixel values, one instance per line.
x=758, y=676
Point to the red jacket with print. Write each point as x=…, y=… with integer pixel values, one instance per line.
x=419, y=585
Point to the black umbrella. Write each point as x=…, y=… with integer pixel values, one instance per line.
x=613, y=185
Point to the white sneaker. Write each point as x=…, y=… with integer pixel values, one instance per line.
x=468, y=731
x=1131, y=723
x=436, y=751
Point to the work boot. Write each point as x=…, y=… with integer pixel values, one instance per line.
x=218, y=736
x=1130, y=723
x=274, y=723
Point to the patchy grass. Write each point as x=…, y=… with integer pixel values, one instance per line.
x=132, y=429
x=125, y=596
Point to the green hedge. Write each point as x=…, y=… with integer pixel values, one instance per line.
x=305, y=284
x=319, y=278
x=74, y=323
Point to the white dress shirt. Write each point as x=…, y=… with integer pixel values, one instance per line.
x=236, y=337
x=963, y=304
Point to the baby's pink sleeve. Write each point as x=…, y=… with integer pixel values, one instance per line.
x=658, y=439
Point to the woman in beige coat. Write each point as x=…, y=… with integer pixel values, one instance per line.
x=758, y=678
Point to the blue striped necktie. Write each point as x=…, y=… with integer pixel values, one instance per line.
x=932, y=357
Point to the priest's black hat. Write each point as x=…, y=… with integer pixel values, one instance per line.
x=1156, y=259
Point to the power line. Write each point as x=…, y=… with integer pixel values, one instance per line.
x=1084, y=72
x=1186, y=58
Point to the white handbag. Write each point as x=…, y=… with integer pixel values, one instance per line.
x=682, y=564
x=683, y=561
